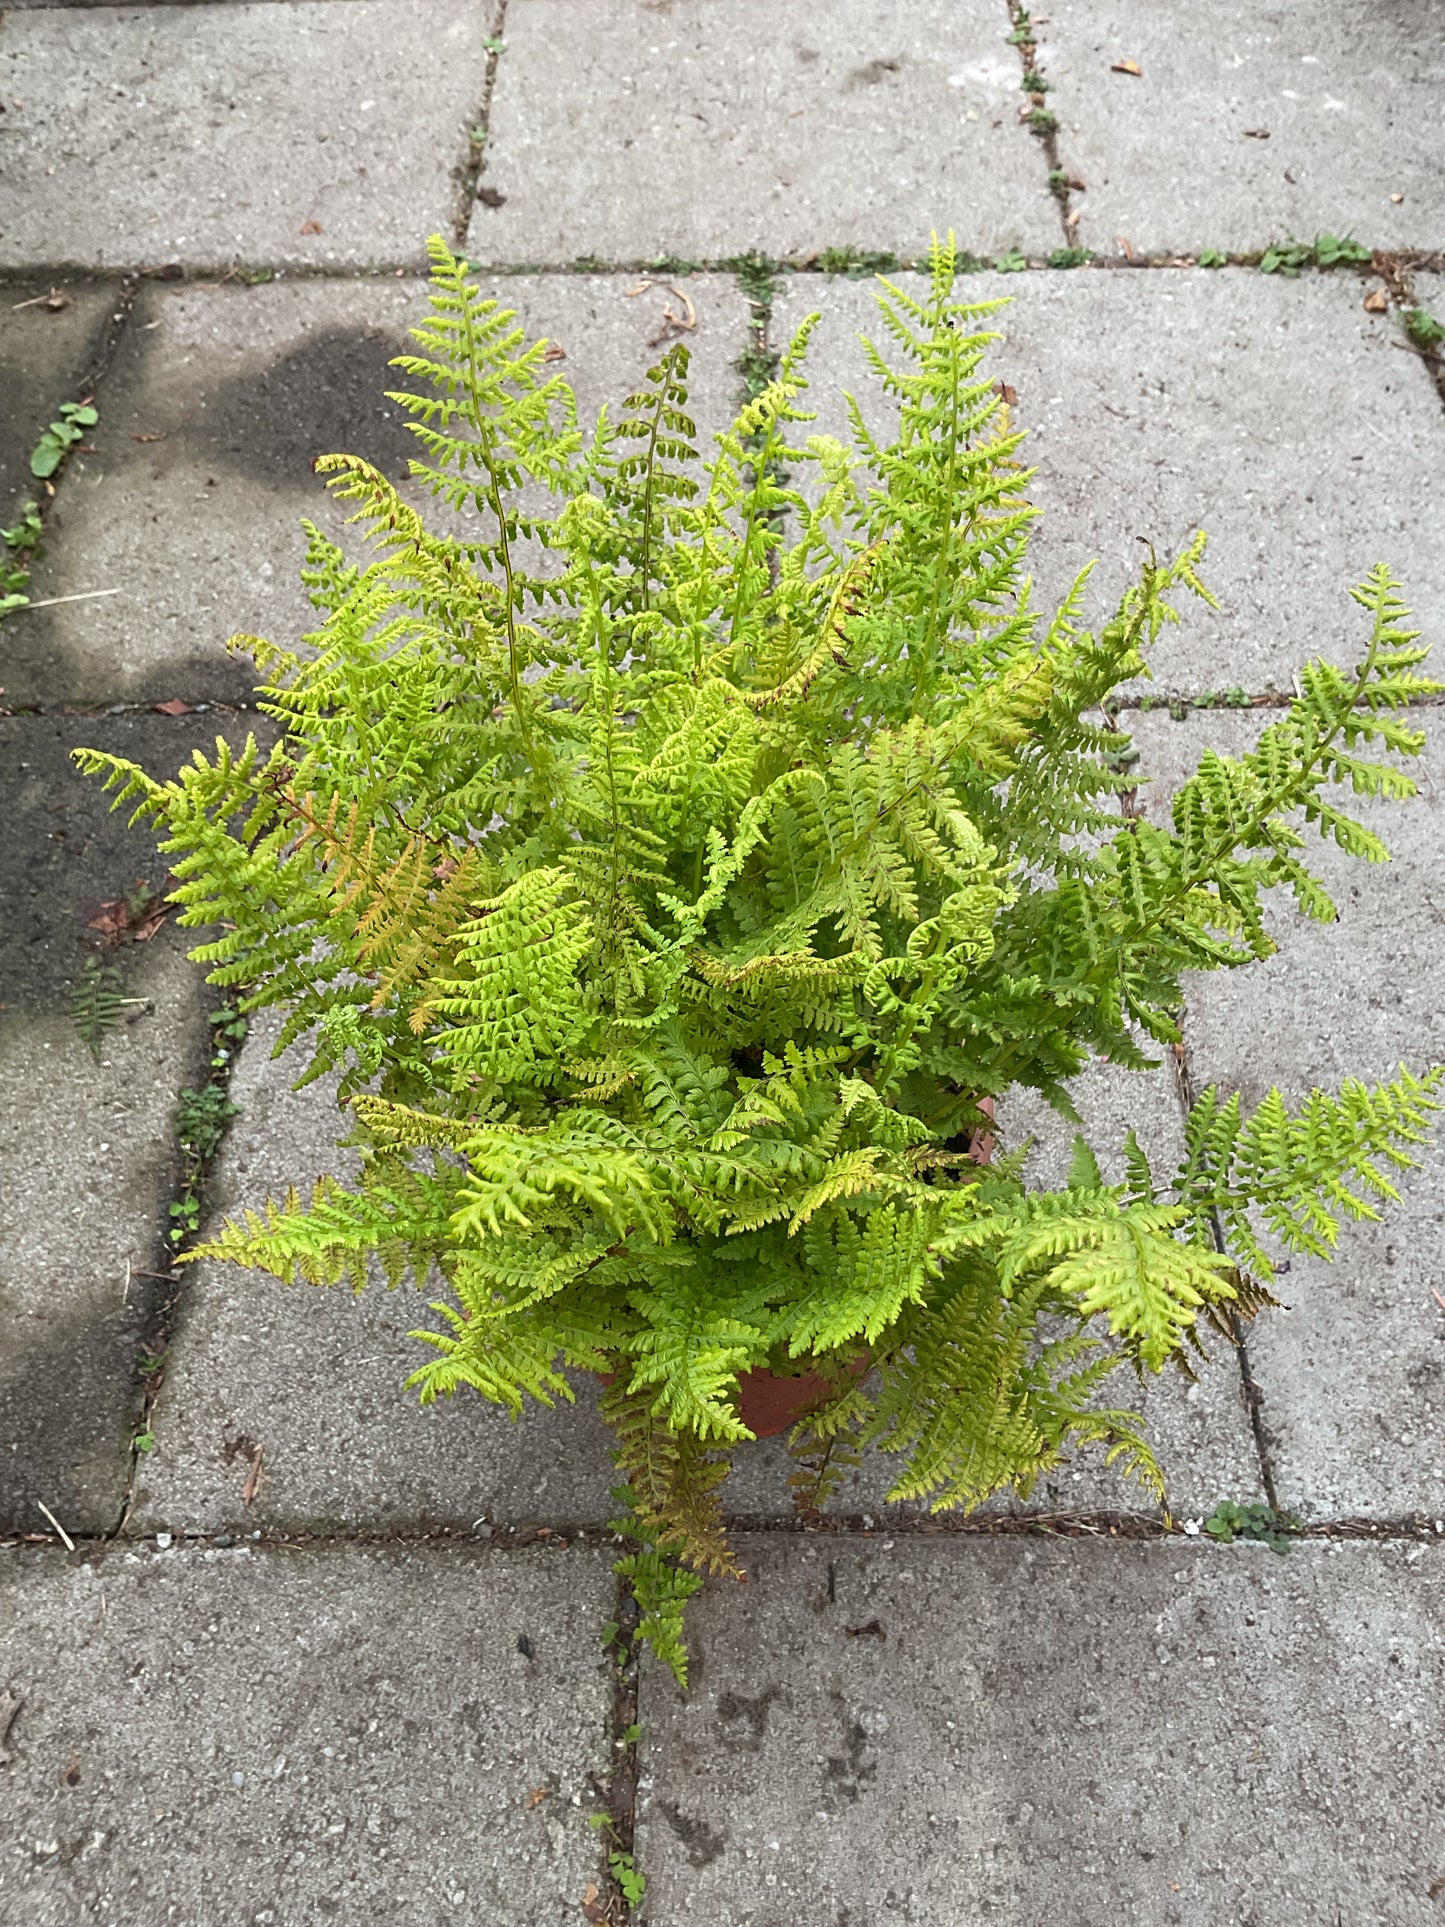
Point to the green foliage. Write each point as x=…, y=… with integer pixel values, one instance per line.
x=1261, y=1523
x=21, y=544
x=1011, y=263
x=1213, y=258
x=1325, y=251
x=61, y=436
x=1423, y=329
x=624, y=1871
x=670, y=870
x=1042, y=121
x=1071, y=257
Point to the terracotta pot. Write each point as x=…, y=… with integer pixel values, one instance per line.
x=768, y=1403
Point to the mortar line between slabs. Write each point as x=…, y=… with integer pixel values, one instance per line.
x=1047, y=133
x=480, y=133
x=260, y=272
x=561, y=1539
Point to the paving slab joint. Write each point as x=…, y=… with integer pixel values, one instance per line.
x=617, y=1818
x=1249, y=1385
x=471, y=189
x=202, y=1119
x=1421, y=338
x=23, y=543
x=1044, y=124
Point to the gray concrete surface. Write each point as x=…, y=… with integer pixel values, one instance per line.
x=1251, y=123
x=1277, y=415
x=302, y=1735
x=219, y=400
x=781, y=125
x=86, y=1148
x=1353, y=1373
x=1071, y=1731
x=267, y=132
x=45, y=354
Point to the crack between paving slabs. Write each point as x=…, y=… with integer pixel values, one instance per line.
x=1043, y=123
x=200, y=1129
x=46, y=488
x=1250, y=1389
x=1416, y=1528
x=470, y=185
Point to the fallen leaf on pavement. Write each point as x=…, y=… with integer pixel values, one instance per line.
x=555, y=352
x=1010, y=395
x=174, y=705
x=149, y=438
x=538, y=1795
x=1256, y=133
x=641, y=288
x=1123, y=241
x=311, y=227
x=1376, y=301
x=593, y=1908
x=1128, y=67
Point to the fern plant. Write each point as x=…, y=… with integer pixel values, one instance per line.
x=671, y=871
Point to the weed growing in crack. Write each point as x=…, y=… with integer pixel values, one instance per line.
x=1212, y=258
x=1071, y=257
x=857, y=262
x=1424, y=330
x=1257, y=1522
x=1290, y=258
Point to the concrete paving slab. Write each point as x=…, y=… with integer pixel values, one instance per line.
x=1277, y=415
x=290, y=134
x=218, y=401
x=1353, y=1374
x=1251, y=123
x=1073, y=1731
x=45, y=353
x=629, y=129
x=270, y=1734
x=87, y=1150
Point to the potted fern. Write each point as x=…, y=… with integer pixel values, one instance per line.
x=675, y=877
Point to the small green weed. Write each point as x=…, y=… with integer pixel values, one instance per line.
x=185, y=1216
x=1071, y=257
x=856, y=262
x=624, y=1872
x=494, y=44
x=145, y=1441
x=1033, y=83
x=61, y=436
x=757, y=277
x=1041, y=122
x=674, y=264
x=757, y=366
x=1258, y=1522
x=1325, y=251
x=201, y=1120
x=1011, y=263
x=1423, y=329
x=1212, y=258
x=1235, y=698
